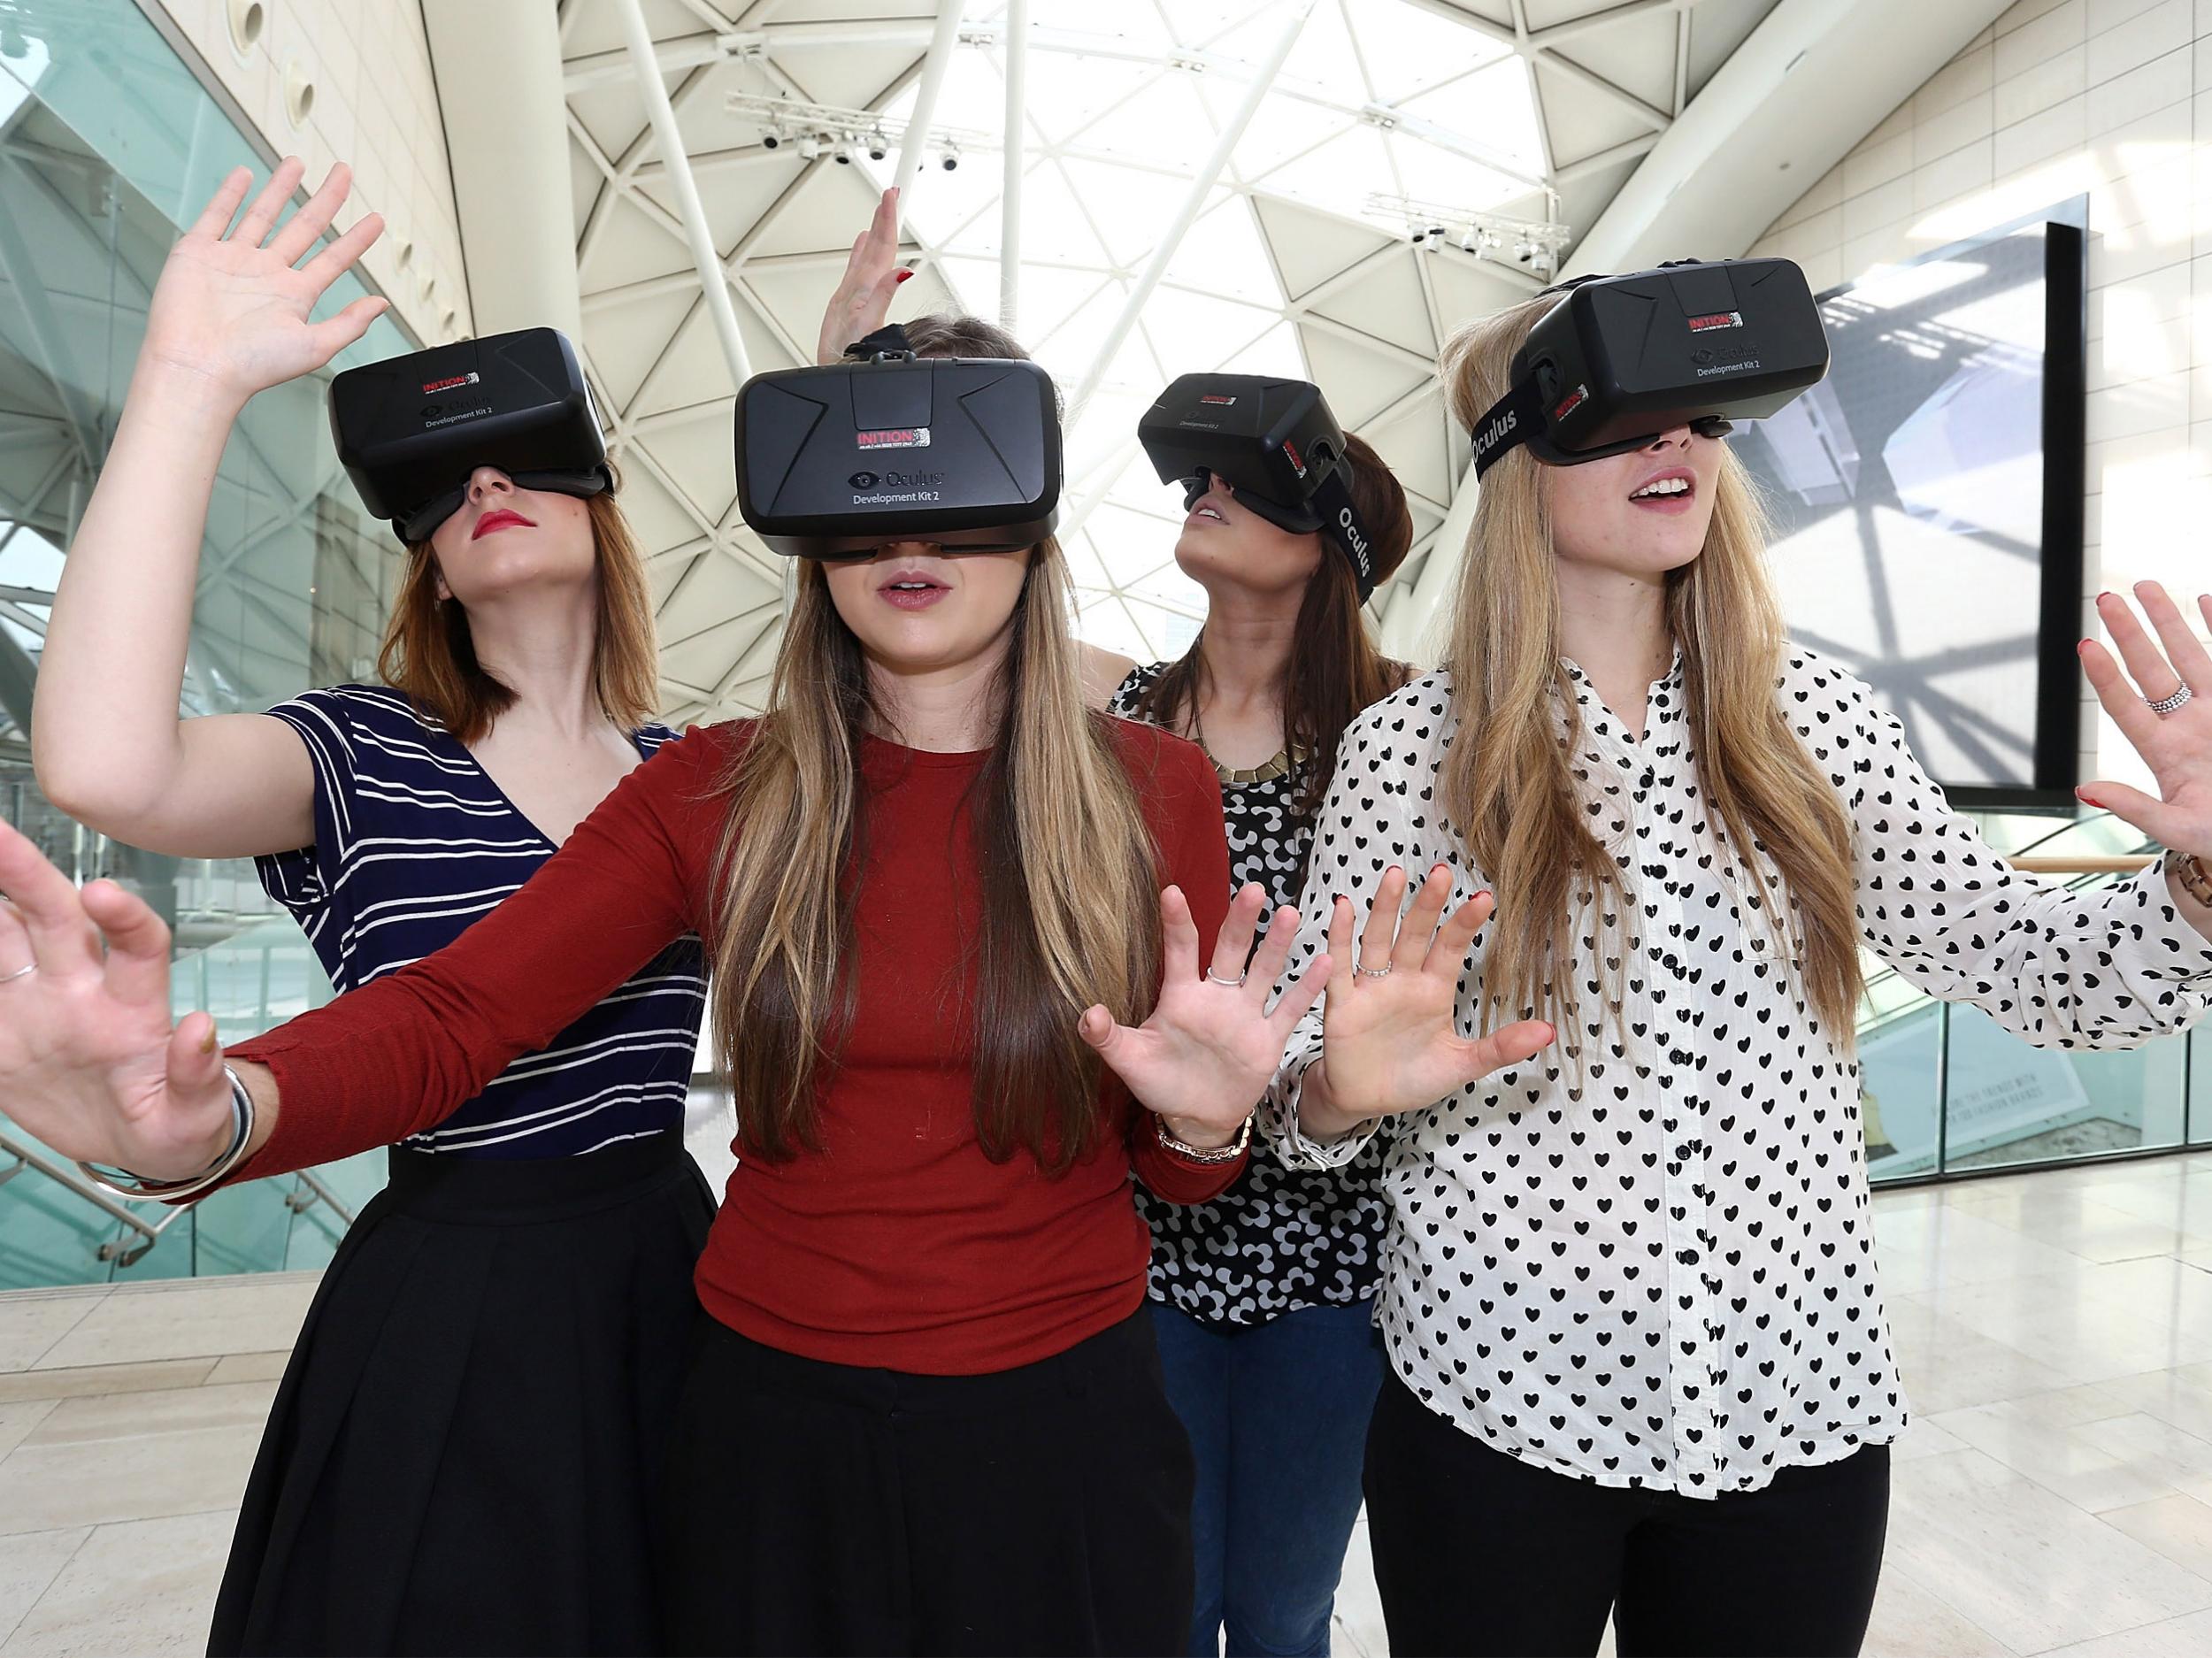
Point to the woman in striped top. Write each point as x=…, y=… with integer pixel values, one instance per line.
x=464, y=1449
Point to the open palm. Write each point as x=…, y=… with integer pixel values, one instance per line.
x=2176, y=746
x=1389, y=1037
x=232, y=309
x=1207, y=1052
x=89, y=1061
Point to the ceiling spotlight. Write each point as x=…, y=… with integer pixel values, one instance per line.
x=769, y=141
x=1471, y=242
x=878, y=145
x=844, y=155
x=1524, y=251
x=951, y=158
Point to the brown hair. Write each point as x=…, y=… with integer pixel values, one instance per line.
x=1333, y=669
x=428, y=654
x=1507, y=784
x=1066, y=869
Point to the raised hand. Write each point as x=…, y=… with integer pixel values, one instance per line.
x=2176, y=745
x=231, y=311
x=873, y=274
x=1205, y=1057
x=89, y=1061
x=1389, y=1041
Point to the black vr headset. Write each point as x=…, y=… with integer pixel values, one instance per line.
x=1621, y=359
x=1273, y=442
x=836, y=461
x=409, y=430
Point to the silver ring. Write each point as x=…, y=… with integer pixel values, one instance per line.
x=1373, y=973
x=2166, y=704
x=1234, y=984
x=21, y=972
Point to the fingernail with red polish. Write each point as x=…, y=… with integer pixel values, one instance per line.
x=904, y=275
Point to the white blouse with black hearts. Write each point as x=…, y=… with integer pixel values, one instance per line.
x=1663, y=1275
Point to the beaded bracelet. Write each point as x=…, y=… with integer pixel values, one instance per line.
x=1229, y=1153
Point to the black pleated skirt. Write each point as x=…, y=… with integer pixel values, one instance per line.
x=464, y=1455
x=835, y=1511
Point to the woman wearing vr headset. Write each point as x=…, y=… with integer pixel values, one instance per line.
x=1261, y=1298
x=461, y=1452
x=1264, y=1298
x=925, y=1412
x=1638, y=1362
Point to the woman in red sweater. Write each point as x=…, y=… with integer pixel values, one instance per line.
x=924, y=1413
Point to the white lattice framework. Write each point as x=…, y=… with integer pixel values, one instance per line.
x=1531, y=109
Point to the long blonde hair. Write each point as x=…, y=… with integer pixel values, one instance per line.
x=1066, y=870
x=1508, y=785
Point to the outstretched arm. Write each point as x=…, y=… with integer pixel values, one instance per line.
x=90, y=1064
x=2108, y=967
x=229, y=317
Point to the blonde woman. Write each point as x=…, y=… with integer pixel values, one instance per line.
x=923, y=1412
x=1262, y=1299
x=1638, y=1362
x=474, y=1408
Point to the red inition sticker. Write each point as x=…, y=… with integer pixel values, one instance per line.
x=1717, y=319
x=893, y=438
x=451, y=381
x=1574, y=400
x=1296, y=459
x=1216, y=397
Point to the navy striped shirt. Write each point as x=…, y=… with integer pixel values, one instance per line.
x=413, y=842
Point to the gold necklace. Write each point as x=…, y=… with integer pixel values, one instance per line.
x=1237, y=777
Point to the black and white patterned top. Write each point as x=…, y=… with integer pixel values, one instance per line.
x=1662, y=1274
x=1281, y=1238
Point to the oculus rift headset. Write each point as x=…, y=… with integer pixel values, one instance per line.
x=836, y=461
x=1273, y=442
x=1621, y=359
x=410, y=429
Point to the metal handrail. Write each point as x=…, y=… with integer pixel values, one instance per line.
x=2087, y=863
x=308, y=1191
x=69, y=1180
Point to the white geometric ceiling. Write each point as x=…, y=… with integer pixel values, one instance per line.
x=1528, y=109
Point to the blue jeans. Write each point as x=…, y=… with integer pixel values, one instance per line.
x=1276, y=1415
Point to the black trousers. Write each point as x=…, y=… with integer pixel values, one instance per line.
x=1478, y=1552
x=823, y=1508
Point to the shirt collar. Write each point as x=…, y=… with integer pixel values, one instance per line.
x=1663, y=708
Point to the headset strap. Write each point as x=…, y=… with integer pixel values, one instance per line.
x=1341, y=522
x=1507, y=424
x=889, y=340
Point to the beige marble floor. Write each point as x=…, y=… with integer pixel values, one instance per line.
x=2054, y=1496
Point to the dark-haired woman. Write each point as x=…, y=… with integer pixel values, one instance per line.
x=1263, y=1298
x=461, y=1456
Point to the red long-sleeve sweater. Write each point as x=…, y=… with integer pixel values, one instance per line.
x=898, y=1244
